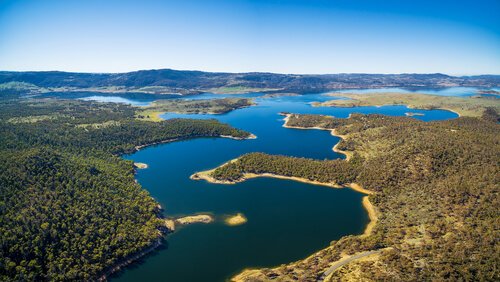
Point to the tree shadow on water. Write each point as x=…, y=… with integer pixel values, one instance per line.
x=141, y=260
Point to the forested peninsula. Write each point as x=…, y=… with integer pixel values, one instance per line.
x=205, y=106
x=434, y=188
x=70, y=208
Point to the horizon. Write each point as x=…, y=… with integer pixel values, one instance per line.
x=262, y=72
x=458, y=38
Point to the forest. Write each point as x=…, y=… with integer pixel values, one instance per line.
x=195, y=106
x=435, y=190
x=70, y=208
x=333, y=171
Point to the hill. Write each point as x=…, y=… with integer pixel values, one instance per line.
x=168, y=81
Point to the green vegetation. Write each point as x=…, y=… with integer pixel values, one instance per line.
x=471, y=107
x=239, y=89
x=337, y=171
x=436, y=193
x=13, y=88
x=210, y=106
x=164, y=81
x=70, y=208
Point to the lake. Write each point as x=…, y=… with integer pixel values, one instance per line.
x=287, y=220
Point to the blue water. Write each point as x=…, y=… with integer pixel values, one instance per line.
x=287, y=220
x=117, y=99
x=450, y=91
x=135, y=99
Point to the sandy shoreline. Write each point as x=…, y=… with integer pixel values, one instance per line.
x=367, y=205
x=372, y=214
x=205, y=175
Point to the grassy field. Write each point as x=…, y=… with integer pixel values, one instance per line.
x=472, y=107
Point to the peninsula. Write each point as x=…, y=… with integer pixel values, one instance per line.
x=206, y=106
x=463, y=106
x=424, y=172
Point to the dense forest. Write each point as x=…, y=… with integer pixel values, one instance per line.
x=69, y=205
x=333, y=171
x=436, y=193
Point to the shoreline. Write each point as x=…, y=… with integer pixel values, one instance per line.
x=131, y=259
x=367, y=205
x=409, y=106
x=139, y=147
x=205, y=175
x=161, y=234
x=372, y=215
x=155, y=116
x=348, y=155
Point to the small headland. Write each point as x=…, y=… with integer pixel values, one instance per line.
x=172, y=224
x=140, y=165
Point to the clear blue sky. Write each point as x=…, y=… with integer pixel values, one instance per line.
x=314, y=36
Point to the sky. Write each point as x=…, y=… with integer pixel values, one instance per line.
x=316, y=36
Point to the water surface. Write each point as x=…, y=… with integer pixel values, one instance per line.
x=287, y=220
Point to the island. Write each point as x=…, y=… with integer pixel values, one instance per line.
x=419, y=197
x=235, y=220
x=411, y=114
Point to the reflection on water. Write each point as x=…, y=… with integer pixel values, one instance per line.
x=115, y=99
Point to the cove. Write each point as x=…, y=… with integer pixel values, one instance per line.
x=287, y=220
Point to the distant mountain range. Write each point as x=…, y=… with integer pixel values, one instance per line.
x=168, y=81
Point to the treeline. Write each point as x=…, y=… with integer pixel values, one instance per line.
x=69, y=205
x=197, y=80
x=437, y=196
